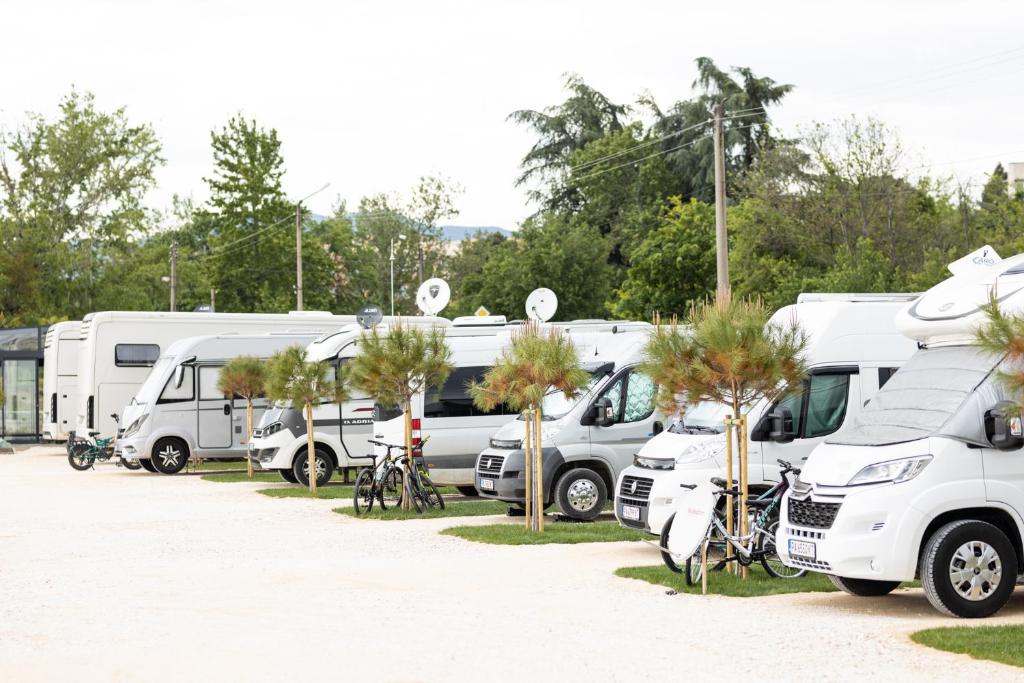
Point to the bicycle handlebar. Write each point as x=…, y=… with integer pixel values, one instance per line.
x=787, y=467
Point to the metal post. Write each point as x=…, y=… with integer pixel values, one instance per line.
x=419, y=268
x=298, y=257
x=721, y=236
x=174, y=276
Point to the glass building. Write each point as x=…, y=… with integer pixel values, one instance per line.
x=21, y=368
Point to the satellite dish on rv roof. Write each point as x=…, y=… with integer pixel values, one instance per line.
x=541, y=304
x=369, y=316
x=433, y=295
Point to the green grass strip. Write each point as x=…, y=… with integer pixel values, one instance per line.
x=1004, y=644
x=451, y=509
x=757, y=583
x=211, y=466
x=234, y=477
x=328, y=492
x=554, y=532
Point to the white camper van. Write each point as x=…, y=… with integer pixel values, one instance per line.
x=60, y=377
x=586, y=443
x=457, y=429
x=928, y=480
x=340, y=431
x=119, y=348
x=853, y=349
x=179, y=413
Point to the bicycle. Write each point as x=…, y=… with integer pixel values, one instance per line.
x=84, y=453
x=378, y=482
x=424, y=493
x=756, y=546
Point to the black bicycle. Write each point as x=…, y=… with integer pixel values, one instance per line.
x=756, y=546
x=381, y=482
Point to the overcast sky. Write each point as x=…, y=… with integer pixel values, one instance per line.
x=368, y=96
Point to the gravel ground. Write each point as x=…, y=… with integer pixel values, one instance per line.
x=117, y=575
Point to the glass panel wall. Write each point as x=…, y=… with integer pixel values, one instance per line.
x=21, y=407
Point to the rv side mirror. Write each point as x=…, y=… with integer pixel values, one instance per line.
x=780, y=425
x=603, y=415
x=179, y=376
x=1003, y=426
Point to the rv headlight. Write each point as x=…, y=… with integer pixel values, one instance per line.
x=272, y=428
x=895, y=471
x=701, y=451
x=654, y=463
x=507, y=444
x=135, y=426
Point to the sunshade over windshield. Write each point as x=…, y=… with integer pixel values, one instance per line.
x=928, y=396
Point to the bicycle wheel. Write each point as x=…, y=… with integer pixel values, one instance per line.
x=80, y=459
x=415, y=489
x=694, y=569
x=770, y=556
x=391, y=488
x=666, y=556
x=364, y=493
x=432, y=494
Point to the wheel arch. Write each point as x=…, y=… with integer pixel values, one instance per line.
x=598, y=466
x=998, y=517
x=301, y=451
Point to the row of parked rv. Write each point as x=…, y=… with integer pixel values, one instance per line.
x=910, y=450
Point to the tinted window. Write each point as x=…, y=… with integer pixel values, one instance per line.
x=136, y=355
x=826, y=404
x=884, y=374
x=453, y=400
x=795, y=404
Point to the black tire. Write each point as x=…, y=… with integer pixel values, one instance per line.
x=694, y=570
x=770, y=556
x=416, y=494
x=468, y=491
x=147, y=465
x=434, y=498
x=666, y=556
x=363, y=492
x=324, y=467
x=131, y=464
x=865, y=588
x=78, y=459
x=288, y=476
x=581, y=494
x=391, y=488
x=169, y=456
x=953, y=550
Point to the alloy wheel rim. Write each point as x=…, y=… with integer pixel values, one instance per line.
x=582, y=495
x=169, y=456
x=975, y=570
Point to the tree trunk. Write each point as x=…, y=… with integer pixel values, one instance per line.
x=528, y=465
x=248, y=436
x=538, y=473
x=407, y=467
x=310, y=448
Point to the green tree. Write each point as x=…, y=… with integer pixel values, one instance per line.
x=535, y=365
x=71, y=192
x=244, y=376
x=673, y=267
x=293, y=379
x=395, y=366
x=465, y=269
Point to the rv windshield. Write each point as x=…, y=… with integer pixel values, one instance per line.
x=937, y=392
x=155, y=381
x=706, y=417
x=556, y=405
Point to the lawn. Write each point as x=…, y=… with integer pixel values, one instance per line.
x=233, y=477
x=330, y=491
x=211, y=466
x=451, y=509
x=998, y=643
x=724, y=583
x=554, y=532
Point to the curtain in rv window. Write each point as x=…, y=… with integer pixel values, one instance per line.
x=136, y=355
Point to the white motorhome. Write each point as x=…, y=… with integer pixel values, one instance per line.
x=60, y=378
x=179, y=413
x=928, y=480
x=853, y=349
x=340, y=431
x=587, y=442
x=118, y=349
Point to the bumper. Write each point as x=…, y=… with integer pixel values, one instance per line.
x=132, y=448
x=874, y=535
x=261, y=458
x=275, y=452
x=648, y=506
x=501, y=474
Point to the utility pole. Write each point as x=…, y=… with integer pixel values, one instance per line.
x=298, y=257
x=392, y=276
x=213, y=300
x=420, y=262
x=721, y=236
x=174, y=276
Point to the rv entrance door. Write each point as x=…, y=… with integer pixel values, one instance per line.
x=215, y=411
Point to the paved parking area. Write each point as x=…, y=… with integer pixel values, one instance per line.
x=117, y=575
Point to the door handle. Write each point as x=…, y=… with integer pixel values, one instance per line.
x=227, y=408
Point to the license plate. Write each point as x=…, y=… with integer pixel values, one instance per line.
x=631, y=512
x=487, y=484
x=802, y=548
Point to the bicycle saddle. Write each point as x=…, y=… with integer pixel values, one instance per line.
x=720, y=482
x=759, y=502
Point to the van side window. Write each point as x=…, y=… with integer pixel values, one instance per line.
x=794, y=402
x=173, y=394
x=826, y=404
x=453, y=399
x=208, y=376
x=884, y=374
x=135, y=355
x=614, y=392
x=639, y=398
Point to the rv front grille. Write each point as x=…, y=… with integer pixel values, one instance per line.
x=491, y=464
x=805, y=563
x=811, y=514
x=638, y=488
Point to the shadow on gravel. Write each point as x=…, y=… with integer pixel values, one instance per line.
x=903, y=603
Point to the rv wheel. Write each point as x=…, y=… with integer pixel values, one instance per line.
x=968, y=569
x=169, y=456
x=581, y=494
x=147, y=465
x=324, y=467
x=288, y=476
x=865, y=588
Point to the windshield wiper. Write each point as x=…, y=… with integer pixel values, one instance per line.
x=700, y=429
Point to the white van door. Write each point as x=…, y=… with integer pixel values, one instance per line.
x=632, y=397
x=214, y=429
x=1004, y=477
